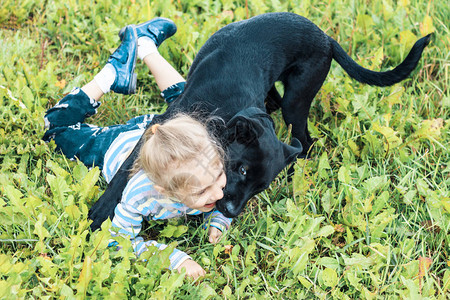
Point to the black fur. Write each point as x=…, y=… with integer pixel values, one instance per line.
x=233, y=77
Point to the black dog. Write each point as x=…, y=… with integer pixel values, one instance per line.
x=233, y=76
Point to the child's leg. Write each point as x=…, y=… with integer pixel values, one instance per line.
x=150, y=35
x=165, y=75
x=90, y=143
x=93, y=90
x=65, y=120
x=74, y=108
x=169, y=81
x=82, y=141
x=117, y=75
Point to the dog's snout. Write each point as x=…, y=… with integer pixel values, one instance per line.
x=227, y=208
x=220, y=207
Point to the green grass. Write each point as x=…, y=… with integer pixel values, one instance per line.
x=368, y=216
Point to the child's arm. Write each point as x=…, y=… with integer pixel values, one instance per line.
x=138, y=202
x=127, y=222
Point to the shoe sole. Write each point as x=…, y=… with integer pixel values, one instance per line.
x=121, y=32
x=133, y=83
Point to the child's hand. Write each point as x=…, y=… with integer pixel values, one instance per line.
x=193, y=269
x=214, y=235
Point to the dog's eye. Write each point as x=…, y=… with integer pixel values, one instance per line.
x=243, y=170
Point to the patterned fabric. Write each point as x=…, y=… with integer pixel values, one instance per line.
x=140, y=201
x=108, y=148
x=118, y=152
x=173, y=91
x=74, y=108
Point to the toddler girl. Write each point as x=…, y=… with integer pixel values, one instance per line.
x=180, y=167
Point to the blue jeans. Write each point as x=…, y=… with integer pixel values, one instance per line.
x=89, y=143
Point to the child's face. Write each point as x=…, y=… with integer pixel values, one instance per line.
x=210, y=182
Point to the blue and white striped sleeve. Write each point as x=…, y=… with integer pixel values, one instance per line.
x=137, y=203
x=216, y=219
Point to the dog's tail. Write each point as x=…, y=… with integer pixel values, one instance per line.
x=380, y=78
x=106, y=204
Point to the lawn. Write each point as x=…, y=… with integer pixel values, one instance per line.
x=367, y=216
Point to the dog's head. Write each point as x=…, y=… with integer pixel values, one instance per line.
x=255, y=157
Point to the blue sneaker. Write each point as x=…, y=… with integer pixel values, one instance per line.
x=158, y=29
x=124, y=61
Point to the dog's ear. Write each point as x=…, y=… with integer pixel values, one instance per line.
x=244, y=130
x=291, y=152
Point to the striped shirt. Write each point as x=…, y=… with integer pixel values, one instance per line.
x=140, y=201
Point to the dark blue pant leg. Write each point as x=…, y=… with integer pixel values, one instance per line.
x=173, y=91
x=85, y=142
x=73, y=137
x=74, y=108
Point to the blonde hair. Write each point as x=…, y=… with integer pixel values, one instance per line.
x=169, y=145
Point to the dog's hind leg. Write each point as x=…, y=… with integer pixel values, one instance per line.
x=301, y=86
